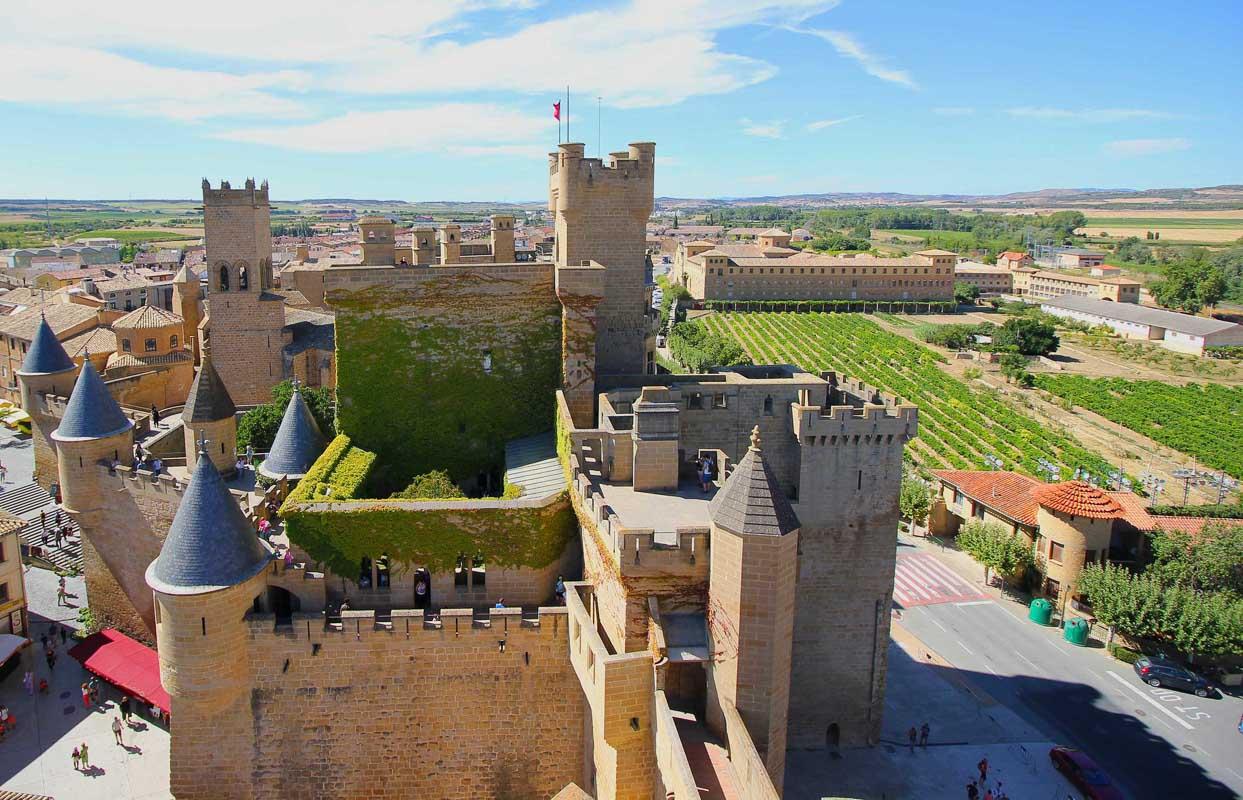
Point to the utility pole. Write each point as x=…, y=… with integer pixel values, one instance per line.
x=47, y=215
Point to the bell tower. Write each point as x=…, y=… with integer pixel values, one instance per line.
x=244, y=319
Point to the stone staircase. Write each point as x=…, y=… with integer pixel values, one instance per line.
x=26, y=502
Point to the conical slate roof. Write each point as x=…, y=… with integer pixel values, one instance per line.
x=91, y=413
x=210, y=545
x=751, y=501
x=46, y=354
x=209, y=400
x=297, y=444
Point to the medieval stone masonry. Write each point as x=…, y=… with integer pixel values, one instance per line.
x=632, y=548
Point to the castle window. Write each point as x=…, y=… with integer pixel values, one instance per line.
x=487, y=362
x=478, y=573
x=125, y=345
x=459, y=573
x=1055, y=551
x=768, y=406
x=364, y=573
x=224, y=279
x=243, y=282
x=382, y=572
x=719, y=401
x=695, y=400
x=172, y=341
x=149, y=345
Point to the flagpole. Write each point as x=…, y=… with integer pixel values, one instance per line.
x=567, y=112
x=599, y=122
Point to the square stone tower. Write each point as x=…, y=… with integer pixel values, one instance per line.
x=601, y=214
x=245, y=319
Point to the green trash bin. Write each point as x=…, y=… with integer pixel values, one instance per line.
x=1041, y=611
x=1075, y=630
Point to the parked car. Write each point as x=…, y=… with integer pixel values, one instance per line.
x=1163, y=672
x=1082, y=771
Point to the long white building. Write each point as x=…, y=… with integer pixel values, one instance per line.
x=1183, y=333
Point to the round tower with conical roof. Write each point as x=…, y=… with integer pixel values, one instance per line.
x=1075, y=520
x=93, y=431
x=208, y=574
x=751, y=583
x=46, y=370
x=297, y=444
x=210, y=414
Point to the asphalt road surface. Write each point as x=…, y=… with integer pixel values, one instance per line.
x=1154, y=743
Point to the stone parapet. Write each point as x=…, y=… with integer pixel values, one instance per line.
x=405, y=623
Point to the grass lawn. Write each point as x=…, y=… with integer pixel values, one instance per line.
x=136, y=235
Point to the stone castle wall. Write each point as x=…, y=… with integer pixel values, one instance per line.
x=246, y=341
x=409, y=711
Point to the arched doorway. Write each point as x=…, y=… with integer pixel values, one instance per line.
x=283, y=603
x=422, y=589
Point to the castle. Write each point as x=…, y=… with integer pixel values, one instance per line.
x=646, y=560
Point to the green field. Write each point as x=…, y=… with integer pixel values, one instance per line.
x=1202, y=421
x=963, y=238
x=959, y=425
x=137, y=235
x=1163, y=222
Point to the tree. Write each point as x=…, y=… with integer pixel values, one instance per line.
x=434, y=485
x=258, y=426
x=128, y=251
x=1122, y=600
x=1013, y=366
x=1002, y=551
x=1028, y=336
x=1210, y=561
x=913, y=500
x=675, y=221
x=1190, y=284
x=965, y=294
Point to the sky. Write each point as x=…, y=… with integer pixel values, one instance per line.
x=452, y=99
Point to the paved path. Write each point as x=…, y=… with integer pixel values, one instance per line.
x=1155, y=743
x=921, y=580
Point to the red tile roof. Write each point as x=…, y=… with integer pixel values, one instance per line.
x=1136, y=513
x=1079, y=499
x=1013, y=254
x=1007, y=493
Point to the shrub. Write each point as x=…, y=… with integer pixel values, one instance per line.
x=258, y=426
x=698, y=348
x=1124, y=654
x=434, y=485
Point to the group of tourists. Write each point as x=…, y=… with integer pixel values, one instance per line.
x=58, y=533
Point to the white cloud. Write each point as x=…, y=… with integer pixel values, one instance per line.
x=1146, y=147
x=953, y=111
x=774, y=129
x=821, y=124
x=459, y=128
x=104, y=82
x=847, y=45
x=1087, y=114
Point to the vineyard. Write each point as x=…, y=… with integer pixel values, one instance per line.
x=1201, y=420
x=959, y=426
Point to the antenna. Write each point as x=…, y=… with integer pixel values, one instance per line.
x=599, y=122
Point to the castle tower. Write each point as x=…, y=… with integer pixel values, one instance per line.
x=751, y=594
x=1075, y=520
x=188, y=304
x=601, y=215
x=580, y=290
x=423, y=244
x=208, y=574
x=92, y=431
x=245, y=320
x=379, y=238
x=210, y=414
x=297, y=444
x=46, y=370
x=451, y=244
x=502, y=238
x=850, y=472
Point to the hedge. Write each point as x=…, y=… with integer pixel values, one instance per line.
x=1124, y=654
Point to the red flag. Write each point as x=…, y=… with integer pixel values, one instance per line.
x=556, y=111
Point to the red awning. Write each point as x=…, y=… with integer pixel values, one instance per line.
x=129, y=665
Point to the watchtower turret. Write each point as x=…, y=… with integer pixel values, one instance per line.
x=451, y=244
x=210, y=414
x=46, y=370
x=502, y=238
x=379, y=239
x=297, y=444
x=188, y=303
x=208, y=574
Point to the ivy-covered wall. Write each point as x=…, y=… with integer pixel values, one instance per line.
x=411, y=379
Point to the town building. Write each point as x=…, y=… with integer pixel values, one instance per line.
x=1013, y=259
x=1077, y=258
x=720, y=544
x=990, y=280
x=1044, y=285
x=1106, y=271
x=17, y=333
x=1182, y=333
x=1069, y=524
x=770, y=269
x=72, y=277
x=80, y=254
x=13, y=616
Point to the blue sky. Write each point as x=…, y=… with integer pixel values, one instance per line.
x=451, y=99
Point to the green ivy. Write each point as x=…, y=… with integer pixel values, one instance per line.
x=342, y=468
x=431, y=537
x=415, y=392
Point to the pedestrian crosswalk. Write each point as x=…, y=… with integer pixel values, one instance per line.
x=921, y=580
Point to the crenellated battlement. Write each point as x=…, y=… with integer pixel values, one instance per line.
x=405, y=623
x=853, y=424
x=227, y=195
x=631, y=173
x=140, y=482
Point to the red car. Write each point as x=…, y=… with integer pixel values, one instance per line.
x=1082, y=771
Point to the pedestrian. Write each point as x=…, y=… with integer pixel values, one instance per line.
x=29, y=683
x=42, y=520
x=972, y=792
x=116, y=731
x=983, y=766
x=155, y=414
x=157, y=466
x=5, y=719
x=44, y=537
x=62, y=597
x=289, y=563
x=58, y=534
x=86, y=696
x=86, y=759
x=77, y=758
x=94, y=687
x=157, y=713
x=988, y=794
x=43, y=640
x=910, y=738
x=64, y=634
x=125, y=708
x=500, y=602
x=924, y=730
x=559, y=590
x=50, y=657
x=58, y=516
x=250, y=455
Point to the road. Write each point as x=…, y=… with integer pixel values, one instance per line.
x=1156, y=743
